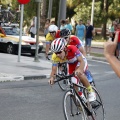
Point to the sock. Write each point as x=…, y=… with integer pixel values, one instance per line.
x=90, y=89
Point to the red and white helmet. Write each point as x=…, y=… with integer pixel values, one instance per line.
x=58, y=44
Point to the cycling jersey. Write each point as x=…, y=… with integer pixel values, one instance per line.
x=50, y=38
x=74, y=40
x=72, y=53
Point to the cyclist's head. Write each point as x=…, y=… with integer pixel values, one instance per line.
x=65, y=33
x=58, y=45
x=52, y=29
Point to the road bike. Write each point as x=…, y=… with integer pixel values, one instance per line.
x=77, y=108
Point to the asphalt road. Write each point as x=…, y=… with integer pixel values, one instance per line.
x=36, y=100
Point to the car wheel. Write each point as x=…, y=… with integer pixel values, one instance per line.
x=10, y=49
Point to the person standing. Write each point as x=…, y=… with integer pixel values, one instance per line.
x=81, y=31
x=89, y=35
x=75, y=26
x=68, y=25
x=33, y=28
x=62, y=24
x=47, y=24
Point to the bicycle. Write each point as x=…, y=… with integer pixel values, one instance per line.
x=77, y=108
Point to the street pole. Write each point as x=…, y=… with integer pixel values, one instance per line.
x=62, y=11
x=92, y=11
x=38, y=25
x=50, y=9
x=20, y=37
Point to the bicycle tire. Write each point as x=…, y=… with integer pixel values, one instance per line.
x=98, y=106
x=72, y=107
x=63, y=84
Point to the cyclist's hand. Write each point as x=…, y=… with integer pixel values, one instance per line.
x=51, y=81
x=78, y=72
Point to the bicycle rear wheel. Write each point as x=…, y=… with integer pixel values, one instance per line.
x=98, y=106
x=64, y=83
x=72, y=107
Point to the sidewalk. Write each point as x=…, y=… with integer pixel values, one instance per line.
x=27, y=68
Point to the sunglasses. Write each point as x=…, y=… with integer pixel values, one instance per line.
x=52, y=32
x=65, y=37
x=58, y=52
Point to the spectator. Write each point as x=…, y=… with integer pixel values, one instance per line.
x=52, y=22
x=89, y=35
x=75, y=26
x=68, y=25
x=47, y=24
x=33, y=28
x=109, y=49
x=112, y=30
x=62, y=24
x=81, y=31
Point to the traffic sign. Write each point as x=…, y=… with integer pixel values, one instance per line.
x=23, y=1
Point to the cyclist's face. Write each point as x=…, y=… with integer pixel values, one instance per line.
x=53, y=33
x=67, y=38
x=61, y=54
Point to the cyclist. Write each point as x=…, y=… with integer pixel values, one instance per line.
x=76, y=62
x=53, y=33
x=109, y=49
x=72, y=40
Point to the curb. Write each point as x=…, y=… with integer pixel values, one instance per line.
x=21, y=78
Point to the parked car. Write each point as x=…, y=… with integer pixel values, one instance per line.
x=9, y=41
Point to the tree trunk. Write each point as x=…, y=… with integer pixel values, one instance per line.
x=105, y=18
x=42, y=17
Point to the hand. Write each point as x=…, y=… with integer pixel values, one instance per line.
x=51, y=81
x=109, y=47
x=78, y=72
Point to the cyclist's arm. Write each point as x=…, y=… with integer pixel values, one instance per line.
x=53, y=72
x=82, y=50
x=82, y=63
x=109, y=49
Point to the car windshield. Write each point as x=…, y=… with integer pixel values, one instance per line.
x=12, y=31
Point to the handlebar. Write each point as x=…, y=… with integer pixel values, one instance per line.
x=62, y=77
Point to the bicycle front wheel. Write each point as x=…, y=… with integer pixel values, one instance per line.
x=98, y=106
x=72, y=107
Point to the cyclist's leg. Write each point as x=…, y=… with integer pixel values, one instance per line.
x=85, y=82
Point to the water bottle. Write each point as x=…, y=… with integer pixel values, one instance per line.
x=88, y=75
x=82, y=96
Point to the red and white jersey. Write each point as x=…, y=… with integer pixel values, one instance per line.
x=72, y=54
x=74, y=40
